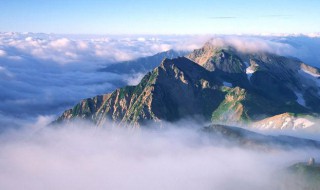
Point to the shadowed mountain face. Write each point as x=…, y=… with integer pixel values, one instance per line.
x=177, y=88
x=279, y=78
x=211, y=83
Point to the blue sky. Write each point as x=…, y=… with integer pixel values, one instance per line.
x=160, y=17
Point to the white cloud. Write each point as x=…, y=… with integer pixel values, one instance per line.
x=45, y=47
x=5, y=74
x=60, y=43
x=28, y=39
x=134, y=79
x=161, y=47
x=46, y=74
x=2, y=53
x=94, y=49
x=81, y=156
x=252, y=44
x=50, y=73
x=141, y=39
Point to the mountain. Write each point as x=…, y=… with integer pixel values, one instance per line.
x=285, y=121
x=285, y=81
x=276, y=77
x=142, y=65
x=302, y=176
x=248, y=139
x=221, y=84
x=177, y=88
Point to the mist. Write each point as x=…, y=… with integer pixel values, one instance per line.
x=42, y=75
x=45, y=74
x=252, y=44
x=81, y=156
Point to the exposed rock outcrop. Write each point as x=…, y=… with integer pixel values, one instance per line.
x=212, y=83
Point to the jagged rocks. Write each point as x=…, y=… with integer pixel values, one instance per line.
x=211, y=83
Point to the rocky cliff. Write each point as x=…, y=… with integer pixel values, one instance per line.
x=211, y=83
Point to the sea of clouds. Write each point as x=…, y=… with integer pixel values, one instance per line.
x=44, y=74
x=41, y=75
x=81, y=156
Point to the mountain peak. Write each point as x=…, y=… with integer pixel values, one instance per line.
x=210, y=83
x=216, y=45
x=215, y=58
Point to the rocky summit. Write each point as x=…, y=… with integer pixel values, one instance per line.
x=221, y=84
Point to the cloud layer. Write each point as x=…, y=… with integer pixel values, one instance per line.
x=41, y=75
x=44, y=74
x=92, y=49
x=84, y=157
x=251, y=44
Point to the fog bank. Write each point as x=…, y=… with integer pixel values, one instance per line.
x=80, y=156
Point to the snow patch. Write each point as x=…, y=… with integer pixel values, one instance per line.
x=310, y=76
x=249, y=70
x=314, y=80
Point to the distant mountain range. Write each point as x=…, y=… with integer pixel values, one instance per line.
x=143, y=64
x=248, y=139
x=221, y=84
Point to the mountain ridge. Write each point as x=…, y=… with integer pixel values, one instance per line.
x=143, y=64
x=218, y=84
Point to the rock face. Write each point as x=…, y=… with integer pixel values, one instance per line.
x=177, y=88
x=212, y=83
x=277, y=82
x=276, y=77
x=285, y=121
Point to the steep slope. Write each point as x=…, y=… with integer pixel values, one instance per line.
x=217, y=83
x=279, y=80
x=177, y=88
x=221, y=61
